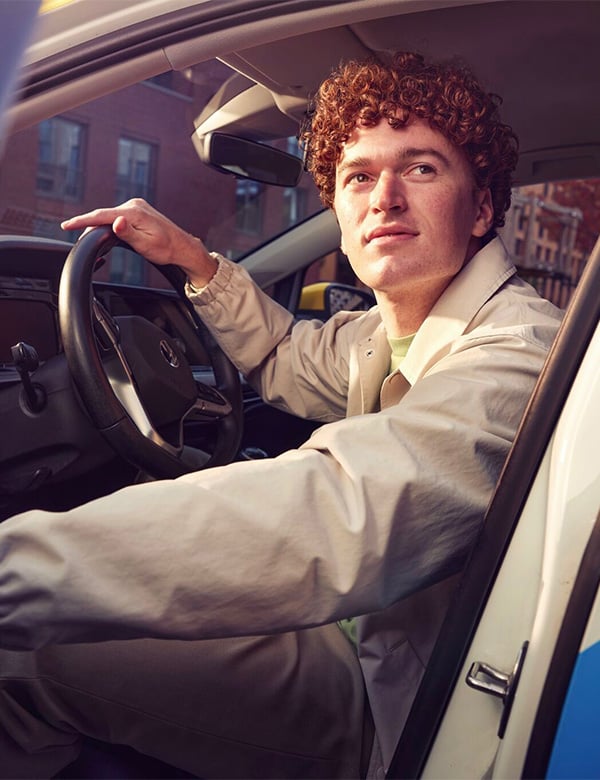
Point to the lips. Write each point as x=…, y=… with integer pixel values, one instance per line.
x=390, y=231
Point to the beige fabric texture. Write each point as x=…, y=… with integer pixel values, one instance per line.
x=374, y=515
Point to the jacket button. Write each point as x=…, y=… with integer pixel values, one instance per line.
x=369, y=353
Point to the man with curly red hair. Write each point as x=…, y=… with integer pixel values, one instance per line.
x=225, y=589
x=446, y=96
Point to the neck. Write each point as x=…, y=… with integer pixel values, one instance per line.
x=403, y=314
x=403, y=311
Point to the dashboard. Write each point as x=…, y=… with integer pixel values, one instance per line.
x=29, y=282
x=54, y=458
x=27, y=313
x=43, y=450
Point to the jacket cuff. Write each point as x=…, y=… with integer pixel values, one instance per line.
x=202, y=295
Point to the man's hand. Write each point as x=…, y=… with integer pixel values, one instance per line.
x=152, y=235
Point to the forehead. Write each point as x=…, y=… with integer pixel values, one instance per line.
x=383, y=140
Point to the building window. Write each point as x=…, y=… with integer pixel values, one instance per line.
x=294, y=206
x=292, y=146
x=136, y=178
x=248, y=206
x=60, y=159
x=127, y=267
x=135, y=170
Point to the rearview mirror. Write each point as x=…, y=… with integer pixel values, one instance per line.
x=248, y=159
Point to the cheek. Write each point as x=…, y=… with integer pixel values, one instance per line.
x=456, y=215
x=342, y=211
x=348, y=226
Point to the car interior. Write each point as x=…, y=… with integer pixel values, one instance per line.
x=263, y=99
x=86, y=409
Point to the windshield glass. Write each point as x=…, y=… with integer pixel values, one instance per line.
x=137, y=143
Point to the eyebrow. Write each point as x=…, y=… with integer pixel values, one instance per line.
x=410, y=153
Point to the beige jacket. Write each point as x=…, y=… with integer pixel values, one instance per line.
x=415, y=478
x=371, y=515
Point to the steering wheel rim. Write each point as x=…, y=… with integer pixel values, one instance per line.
x=115, y=407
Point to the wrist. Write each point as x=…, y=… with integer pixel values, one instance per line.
x=198, y=264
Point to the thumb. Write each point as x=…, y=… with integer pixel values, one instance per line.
x=120, y=227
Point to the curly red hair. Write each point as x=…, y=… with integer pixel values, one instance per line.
x=446, y=95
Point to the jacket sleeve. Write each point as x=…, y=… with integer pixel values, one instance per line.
x=370, y=509
x=299, y=367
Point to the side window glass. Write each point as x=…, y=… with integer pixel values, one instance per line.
x=330, y=285
x=550, y=231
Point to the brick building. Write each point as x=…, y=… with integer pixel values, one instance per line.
x=544, y=238
x=136, y=142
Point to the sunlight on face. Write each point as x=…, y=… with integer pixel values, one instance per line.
x=408, y=209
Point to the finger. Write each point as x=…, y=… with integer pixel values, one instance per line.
x=91, y=219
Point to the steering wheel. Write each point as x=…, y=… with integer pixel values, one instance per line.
x=134, y=379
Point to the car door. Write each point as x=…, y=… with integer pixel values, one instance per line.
x=482, y=706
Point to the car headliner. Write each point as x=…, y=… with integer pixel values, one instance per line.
x=542, y=57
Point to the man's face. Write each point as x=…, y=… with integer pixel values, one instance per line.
x=408, y=209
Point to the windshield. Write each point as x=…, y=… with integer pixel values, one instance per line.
x=137, y=143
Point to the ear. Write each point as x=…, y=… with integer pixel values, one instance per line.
x=484, y=216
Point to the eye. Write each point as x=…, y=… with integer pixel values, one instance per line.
x=423, y=169
x=357, y=178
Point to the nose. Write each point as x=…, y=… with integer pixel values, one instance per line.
x=388, y=193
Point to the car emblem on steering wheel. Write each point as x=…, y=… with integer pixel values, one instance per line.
x=169, y=353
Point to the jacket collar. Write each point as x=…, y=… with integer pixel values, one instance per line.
x=470, y=289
